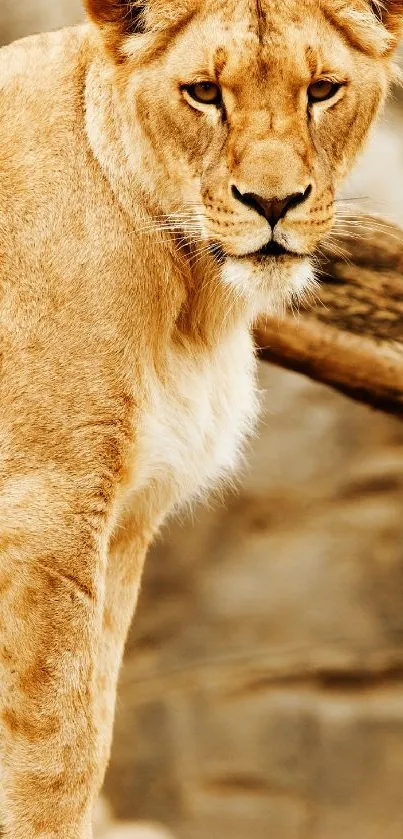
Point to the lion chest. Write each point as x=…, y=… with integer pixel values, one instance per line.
x=197, y=418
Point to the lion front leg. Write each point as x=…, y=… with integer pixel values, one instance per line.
x=52, y=581
x=127, y=551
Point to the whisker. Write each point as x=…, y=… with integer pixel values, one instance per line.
x=348, y=200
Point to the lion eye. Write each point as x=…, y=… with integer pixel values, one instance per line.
x=206, y=92
x=322, y=89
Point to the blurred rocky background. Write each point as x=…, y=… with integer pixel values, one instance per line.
x=262, y=694
x=26, y=17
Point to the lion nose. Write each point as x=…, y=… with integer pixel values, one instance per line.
x=273, y=209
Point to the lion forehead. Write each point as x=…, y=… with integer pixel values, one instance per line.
x=289, y=42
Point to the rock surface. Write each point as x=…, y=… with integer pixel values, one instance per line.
x=106, y=827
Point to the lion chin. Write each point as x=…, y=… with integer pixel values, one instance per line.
x=270, y=284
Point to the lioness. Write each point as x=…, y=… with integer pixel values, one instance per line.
x=167, y=171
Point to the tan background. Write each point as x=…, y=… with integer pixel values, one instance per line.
x=263, y=689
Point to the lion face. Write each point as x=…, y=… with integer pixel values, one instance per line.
x=250, y=113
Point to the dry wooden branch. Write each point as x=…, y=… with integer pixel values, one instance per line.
x=352, y=337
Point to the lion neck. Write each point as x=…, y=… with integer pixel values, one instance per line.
x=205, y=309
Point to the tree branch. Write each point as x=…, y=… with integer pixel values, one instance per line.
x=352, y=336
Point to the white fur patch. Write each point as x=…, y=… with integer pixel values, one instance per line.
x=302, y=280
x=199, y=417
x=269, y=287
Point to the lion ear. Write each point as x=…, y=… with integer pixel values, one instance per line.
x=390, y=13
x=126, y=16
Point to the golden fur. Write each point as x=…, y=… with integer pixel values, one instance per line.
x=129, y=276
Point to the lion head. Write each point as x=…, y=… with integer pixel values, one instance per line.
x=244, y=116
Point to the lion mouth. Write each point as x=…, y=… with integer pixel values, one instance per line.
x=273, y=250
